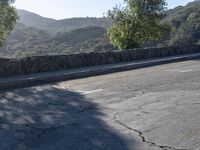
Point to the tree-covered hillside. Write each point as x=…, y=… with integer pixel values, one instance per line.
x=77, y=23
x=36, y=35
x=29, y=41
x=185, y=21
x=86, y=39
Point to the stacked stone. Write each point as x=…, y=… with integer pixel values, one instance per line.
x=35, y=64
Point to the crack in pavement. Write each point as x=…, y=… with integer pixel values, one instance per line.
x=39, y=131
x=141, y=135
x=85, y=109
x=43, y=131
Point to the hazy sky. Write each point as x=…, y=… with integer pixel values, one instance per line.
x=60, y=9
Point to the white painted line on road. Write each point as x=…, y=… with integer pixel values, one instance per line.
x=90, y=92
x=189, y=70
x=171, y=70
x=180, y=71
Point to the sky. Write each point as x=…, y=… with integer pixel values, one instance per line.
x=61, y=9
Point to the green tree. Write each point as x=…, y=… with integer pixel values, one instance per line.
x=8, y=18
x=137, y=21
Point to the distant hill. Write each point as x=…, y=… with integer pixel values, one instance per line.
x=31, y=19
x=186, y=24
x=22, y=40
x=185, y=21
x=65, y=25
x=88, y=39
x=36, y=35
x=77, y=23
x=29, y=41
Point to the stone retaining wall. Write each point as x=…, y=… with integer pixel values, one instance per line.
x=10, y=67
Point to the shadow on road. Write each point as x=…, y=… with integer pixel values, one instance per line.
x=48, y=118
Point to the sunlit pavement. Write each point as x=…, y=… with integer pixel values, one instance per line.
x=145, y=109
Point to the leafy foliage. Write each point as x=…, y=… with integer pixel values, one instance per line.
x=138, y=21
x=185, y=22
x=8, y=18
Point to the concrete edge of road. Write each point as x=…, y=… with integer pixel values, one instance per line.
x=48, y=77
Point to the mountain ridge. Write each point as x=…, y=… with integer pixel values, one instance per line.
x=64, y=25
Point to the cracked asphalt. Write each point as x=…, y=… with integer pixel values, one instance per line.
x=155, y=108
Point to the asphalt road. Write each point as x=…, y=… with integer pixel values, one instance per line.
x=155, y=108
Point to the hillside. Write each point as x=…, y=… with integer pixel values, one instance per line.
x=86, y=39
x=22, y=40
x=77, y=23
x=36, y=35
x=29, y=41
x=31, y=19
x=185, y=21
x=65, y=25
x=186, y=24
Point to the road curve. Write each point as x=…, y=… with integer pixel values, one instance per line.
x=155, y=108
